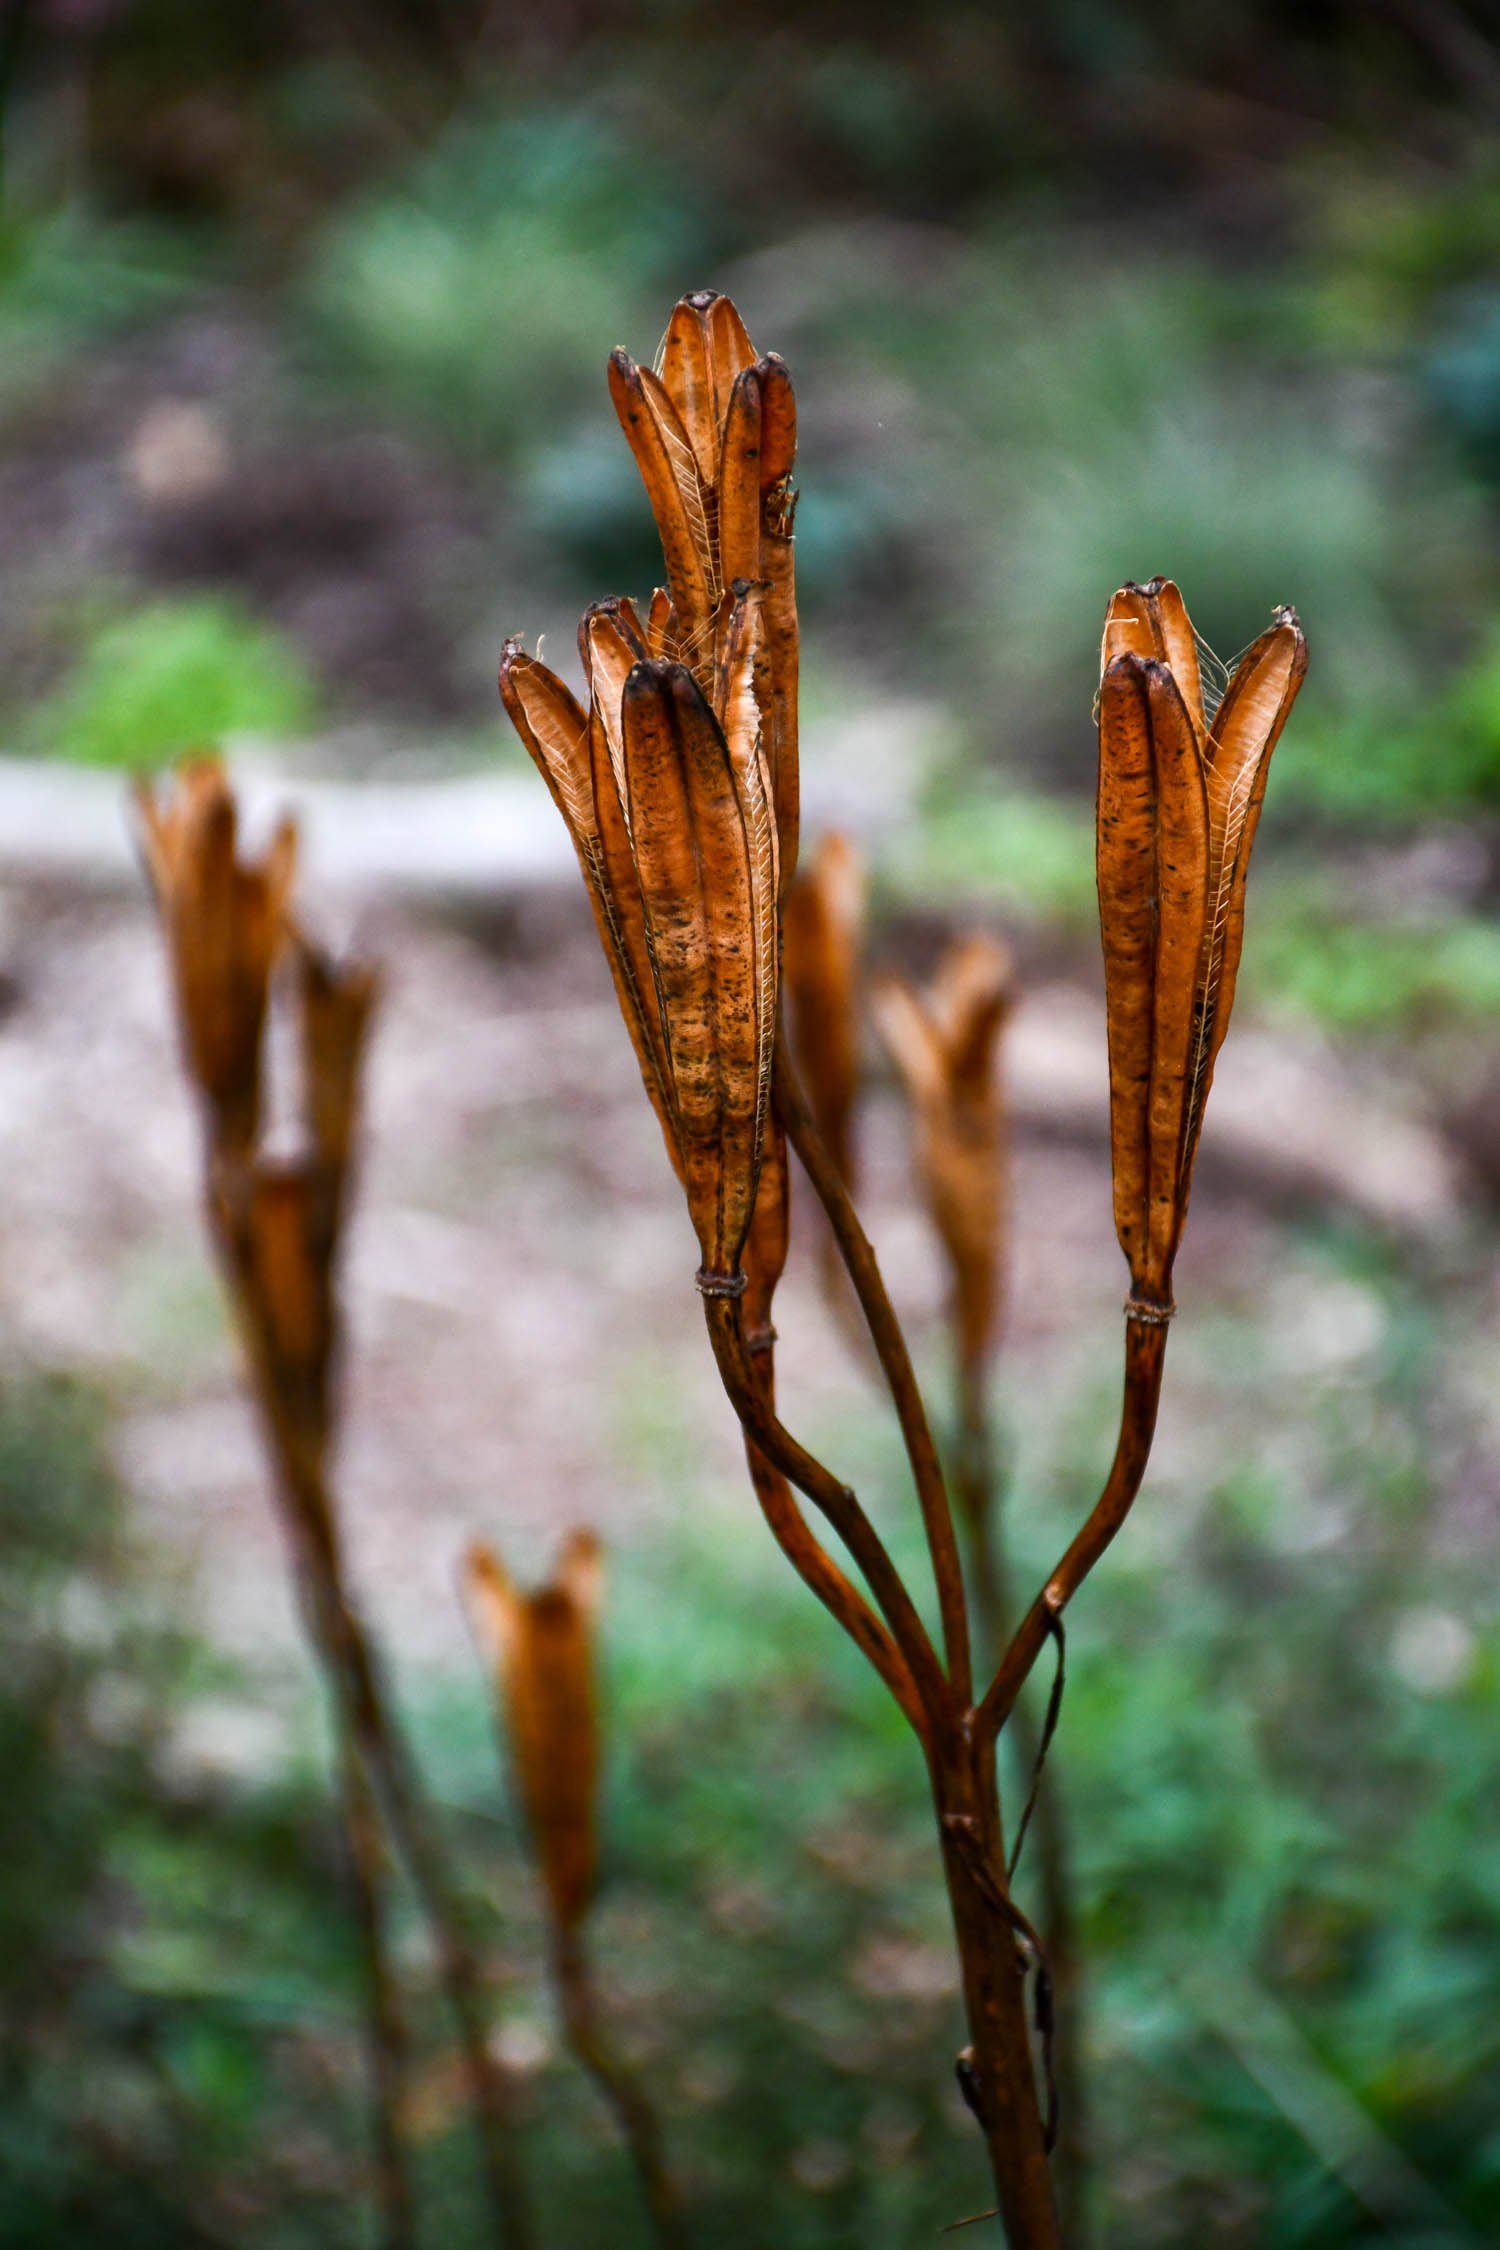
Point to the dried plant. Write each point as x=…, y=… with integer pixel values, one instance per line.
x=276, y=1224
x=539, y=1648
x=945, y=1045
x=678, y=785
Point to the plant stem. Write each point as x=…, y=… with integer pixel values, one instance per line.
x=835, y=1500
x=345, y=1651
x=962, y=1771
x=1145, y=1352
x=822, y=1576
x=977, y=1486
x=387, y=2032
x=895, y=1360
x=352, y=1665
x=637, y=2118
x=1002, y=2077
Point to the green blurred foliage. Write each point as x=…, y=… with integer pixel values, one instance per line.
x=177, y=674
x=482, y=291
x=71, y=280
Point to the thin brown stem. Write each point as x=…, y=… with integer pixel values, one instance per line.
x=895, y=1360
x=383, y=1749
x=633, y=2109
x=387, y=2031
x=821, y=1574
x=1000, y=2077
x=1145, y=1352
x=346, y=1653
x=833, y=1499
x=977, y=1485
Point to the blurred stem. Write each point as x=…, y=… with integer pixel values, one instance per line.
x=632, y=2107
x=1145, y=1354
x=978, y=1483
x=346, y=1654
x=387, y=2031
x=895, y=1360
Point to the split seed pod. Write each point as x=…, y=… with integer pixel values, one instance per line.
x=945, y=1045
x=223, y=918
x=672, y=822
x=540, y=1649
x=1180, y=792
x=714, y=436
x=678, y=783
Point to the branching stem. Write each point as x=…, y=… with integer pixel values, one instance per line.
x=1145, y=1353
x=895, y=1360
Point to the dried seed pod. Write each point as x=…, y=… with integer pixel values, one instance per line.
x=540, y=1649
x=1179, y=798
x=823, y=930
x=692, y=824
x=945, y=1045
x=778, y=508
x=682, y=503
x=224, y=923
x=715, y=439
x=703, y=352
x=577, y=761
x=678, y=785
x=337, y=1000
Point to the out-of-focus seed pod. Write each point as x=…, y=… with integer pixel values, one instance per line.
x=945, y=1045
x=223, y=918
x=823, y=929
x=337, y=1000
x=540, y=1650
x=289, y=1234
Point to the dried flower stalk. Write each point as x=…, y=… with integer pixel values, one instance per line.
x=679, y=787
x=539, y=1649
x=276, y=1226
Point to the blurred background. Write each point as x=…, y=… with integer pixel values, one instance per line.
x=303, y=320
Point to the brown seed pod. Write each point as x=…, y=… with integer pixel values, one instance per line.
x=540, y=1650
x=576, y=759
x=703, y=353
x=224, y=922
x=682, y=503
x=678, y=785
x=1179, y=798
x=945, y=1045
x=337, y=1001
x=289, y=1230
x=712, y=954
